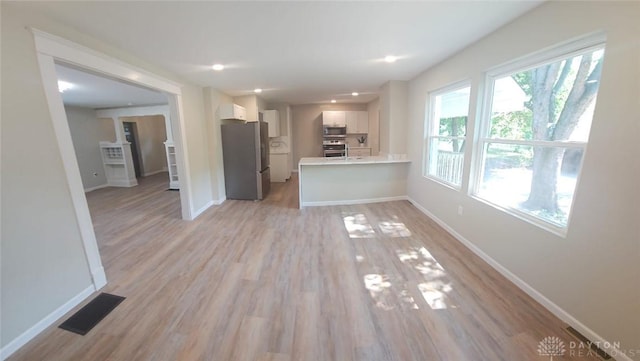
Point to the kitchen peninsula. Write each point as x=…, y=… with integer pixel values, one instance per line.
x=352, y=180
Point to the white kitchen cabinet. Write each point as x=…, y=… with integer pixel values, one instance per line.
x=272, y=117
x=359, y=152
x=357, y=122
x=334, y=118
x=232, y=111
x=279, y=163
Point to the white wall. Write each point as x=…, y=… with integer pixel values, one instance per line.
x=87, y=131
x=212, y=100
x=593, y=273
x=393, y=117
x=198, y=150
x=42, y=259
x=43, y=265
x=373, y=138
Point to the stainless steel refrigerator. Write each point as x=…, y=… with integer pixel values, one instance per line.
x=245, y=151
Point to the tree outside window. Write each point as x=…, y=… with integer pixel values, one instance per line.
x=536, y=133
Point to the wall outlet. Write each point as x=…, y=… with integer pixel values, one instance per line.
x=460, y=210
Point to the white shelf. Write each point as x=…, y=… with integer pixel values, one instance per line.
x=118, y=164
x=172, y=165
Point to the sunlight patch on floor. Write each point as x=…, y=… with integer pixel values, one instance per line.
x=436, y=285
x=394, y=228
x=357, y=225
x=379, y=287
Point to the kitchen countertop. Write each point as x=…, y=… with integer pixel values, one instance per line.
x=392, y=158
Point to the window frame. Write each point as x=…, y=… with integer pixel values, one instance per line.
x=482, y=138
x=429, y=128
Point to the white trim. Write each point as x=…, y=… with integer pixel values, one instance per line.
x=47, y=321
x=154, y=172
x=218, y=202
x=91, y=189
x=550, y=54
x=70, y=164
x=353, y=201
x=180, y=144
x=99, y=278
x=482, y=139
x=532, y=292
x=84, y=57
x=50, y=48
x=202, y=209
x=430, y=127
x=122, y=183
x=537, y=143
x=133, y=111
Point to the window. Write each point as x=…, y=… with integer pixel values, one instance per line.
x=534, y=135
x=446, y=131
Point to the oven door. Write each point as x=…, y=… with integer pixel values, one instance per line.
x=337, y=150
x=333, y=154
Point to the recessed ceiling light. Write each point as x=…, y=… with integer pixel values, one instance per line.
x=217, y=67
x=390, y=59
x=333, y=100
x=63, y=85
x=355, y=94
x=257, y=90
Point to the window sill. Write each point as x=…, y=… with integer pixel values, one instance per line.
x=547, y=226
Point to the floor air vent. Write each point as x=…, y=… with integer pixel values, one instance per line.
x=586, y=343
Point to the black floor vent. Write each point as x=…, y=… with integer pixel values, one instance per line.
x=93, y=312
x=588, y=343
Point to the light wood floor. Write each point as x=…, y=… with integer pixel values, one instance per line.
x=266, y=281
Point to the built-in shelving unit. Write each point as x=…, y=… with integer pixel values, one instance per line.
x=118, y=165
x=172, y=165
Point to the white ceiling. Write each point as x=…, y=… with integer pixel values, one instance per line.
x=298, y=52
x=95, y=91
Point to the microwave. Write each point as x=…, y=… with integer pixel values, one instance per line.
x=335, y=131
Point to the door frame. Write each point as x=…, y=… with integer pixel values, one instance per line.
x=51, y=48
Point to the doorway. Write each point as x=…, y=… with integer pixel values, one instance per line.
x=131, y=135
x=51, y=48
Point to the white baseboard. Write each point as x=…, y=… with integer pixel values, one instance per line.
x=32, y=332
x=532, y=292
x=198, y=212
x=154, y=172
x=294, y=170
x=353, y=201
x=218, y=202
x=123, y=183
x=87, y=190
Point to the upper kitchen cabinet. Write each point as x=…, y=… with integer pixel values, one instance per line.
x=357, y=122
x=334, y=118
x=272, y=117
x=232, y=111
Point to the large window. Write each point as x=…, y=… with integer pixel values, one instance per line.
x=534, y=135
x=446, y=131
